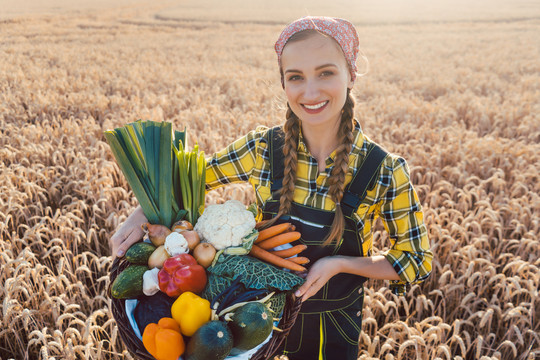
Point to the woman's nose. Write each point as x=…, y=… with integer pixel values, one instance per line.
x=312, y=90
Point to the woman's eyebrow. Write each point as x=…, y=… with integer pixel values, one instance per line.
x=317, y=68
x=325, y=65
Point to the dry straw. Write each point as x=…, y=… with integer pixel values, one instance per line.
x=460, y=102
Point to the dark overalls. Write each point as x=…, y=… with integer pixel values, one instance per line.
x=329, y=323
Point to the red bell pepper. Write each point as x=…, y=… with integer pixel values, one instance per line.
x=181, y=273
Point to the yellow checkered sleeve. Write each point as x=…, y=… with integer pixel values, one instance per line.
x=245, y=160
x=402, y=217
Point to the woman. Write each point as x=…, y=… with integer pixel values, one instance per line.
x=320, y=172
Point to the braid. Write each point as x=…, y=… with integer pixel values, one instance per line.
x=337, y=177
x=291, y=129
x=290, y=161
x=341, y=167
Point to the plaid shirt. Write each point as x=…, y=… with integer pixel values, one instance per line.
x=393, y=198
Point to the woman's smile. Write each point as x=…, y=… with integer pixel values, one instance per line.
x=316, y=108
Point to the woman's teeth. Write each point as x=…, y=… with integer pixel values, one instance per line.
x=315, y=107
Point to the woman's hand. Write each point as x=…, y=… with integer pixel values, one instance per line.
x=319, y=274
x=128, y=233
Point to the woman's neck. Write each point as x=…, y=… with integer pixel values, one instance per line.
x=321, y=142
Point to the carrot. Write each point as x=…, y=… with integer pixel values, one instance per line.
x=300, y=260
x=280, y=239
x=272, y=231
x=295, y=250
x=266, y=256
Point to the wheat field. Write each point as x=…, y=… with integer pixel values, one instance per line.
x=455, y=93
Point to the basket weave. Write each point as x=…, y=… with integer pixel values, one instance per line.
x=135, y=346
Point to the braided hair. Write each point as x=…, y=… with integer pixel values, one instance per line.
x=341, y=162
x=337, y=176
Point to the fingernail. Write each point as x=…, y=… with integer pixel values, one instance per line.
x=120, y=253
x=297, y=293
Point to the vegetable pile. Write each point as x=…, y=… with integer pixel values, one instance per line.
x=208, y=284
x=209, y=303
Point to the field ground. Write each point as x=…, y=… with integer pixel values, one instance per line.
x=454, y=88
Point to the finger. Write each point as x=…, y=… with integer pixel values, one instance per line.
x=305, y=286
x=132, y=238
x=116, y=240
x=118, y=237
x=313, y=288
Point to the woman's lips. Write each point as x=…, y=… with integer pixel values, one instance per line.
x=315, y=108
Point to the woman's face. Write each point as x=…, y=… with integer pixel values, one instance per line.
x=316, y=77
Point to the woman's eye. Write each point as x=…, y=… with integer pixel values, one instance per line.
x=327, y=73
x=295, y=77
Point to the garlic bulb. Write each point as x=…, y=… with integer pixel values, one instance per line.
x=176, y=244
x=151, y=282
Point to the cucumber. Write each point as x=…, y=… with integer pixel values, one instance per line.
x=139, y=253
x=251, y=324
x=212, y=341
x=129, y=283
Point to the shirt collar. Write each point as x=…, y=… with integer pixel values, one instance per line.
x=358, y=139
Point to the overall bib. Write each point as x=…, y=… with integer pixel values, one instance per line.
x=329, y=323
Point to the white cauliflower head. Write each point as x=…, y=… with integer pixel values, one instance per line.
x=224, y=225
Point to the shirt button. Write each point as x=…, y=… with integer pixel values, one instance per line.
x=361, y=290
x=359, y=313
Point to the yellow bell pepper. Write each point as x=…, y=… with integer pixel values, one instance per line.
x=190, y=312
x=163, y=340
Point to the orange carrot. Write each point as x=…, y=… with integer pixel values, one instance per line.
x=280, y=239
x=272, y=231
x=266, y=256
x=300, y=260
x=295, y=250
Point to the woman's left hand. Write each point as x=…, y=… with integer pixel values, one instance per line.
x=319, y=274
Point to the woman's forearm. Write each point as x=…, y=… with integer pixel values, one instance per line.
x=374, y=267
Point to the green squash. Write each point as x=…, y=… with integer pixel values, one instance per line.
x=212, y=341
x=251, y=324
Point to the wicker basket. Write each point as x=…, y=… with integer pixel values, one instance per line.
x=135, y=346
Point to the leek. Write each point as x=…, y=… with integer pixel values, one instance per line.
x=147, y=153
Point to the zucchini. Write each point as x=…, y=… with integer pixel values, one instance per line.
x=251, y=324
x=129, y=283
x=212, y=341
x=139, y=253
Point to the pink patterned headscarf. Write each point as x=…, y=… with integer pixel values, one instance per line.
x=339, y=29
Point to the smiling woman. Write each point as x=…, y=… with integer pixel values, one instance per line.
x=319, y=172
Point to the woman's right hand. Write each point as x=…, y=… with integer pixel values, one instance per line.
x=128, y=233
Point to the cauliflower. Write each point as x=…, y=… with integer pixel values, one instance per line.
x=176, y=244
x=225, y=225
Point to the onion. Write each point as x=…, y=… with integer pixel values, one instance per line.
x=156, y=233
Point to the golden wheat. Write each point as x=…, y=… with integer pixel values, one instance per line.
x=458, y=100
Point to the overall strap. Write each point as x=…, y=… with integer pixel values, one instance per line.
x=356, y=191
x=363, y=179
x=275, y=144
